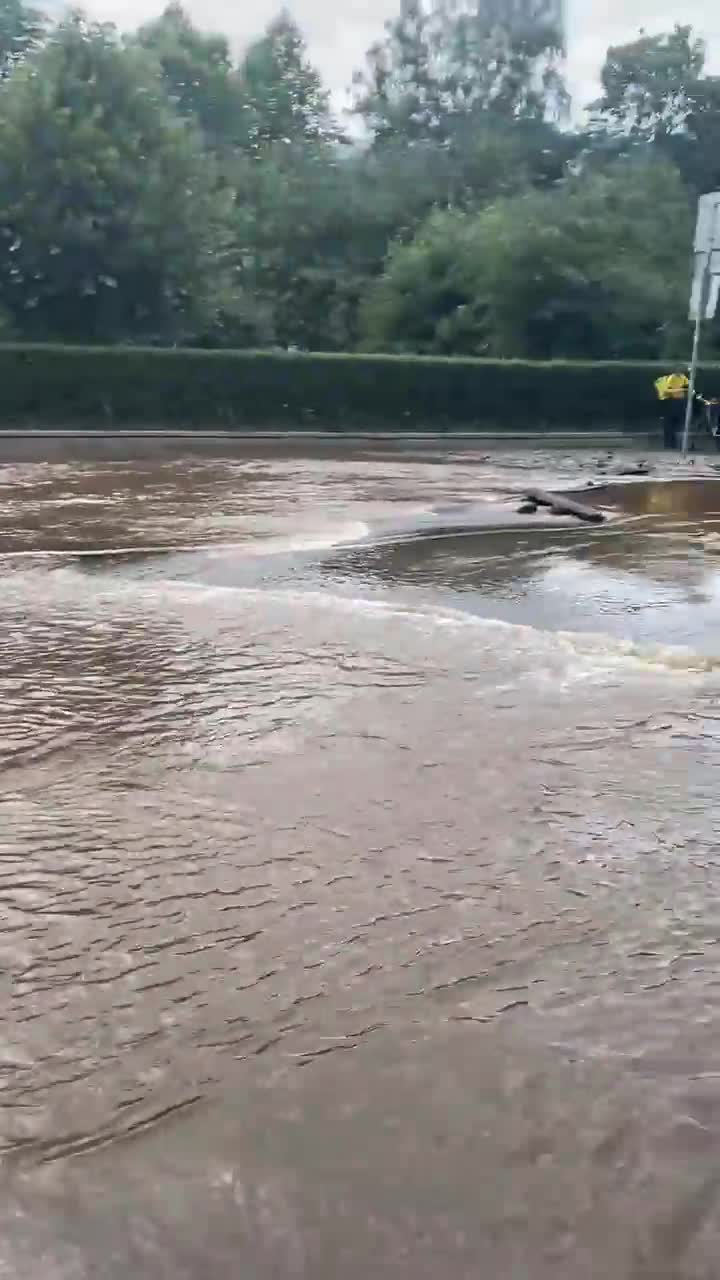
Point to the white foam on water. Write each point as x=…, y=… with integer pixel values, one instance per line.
x=580, y=654
x=598, y=648
x=561, y=654
x=316, y=540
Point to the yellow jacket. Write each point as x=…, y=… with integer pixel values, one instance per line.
x=673, y=386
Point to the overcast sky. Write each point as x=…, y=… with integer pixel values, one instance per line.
x=339, y=31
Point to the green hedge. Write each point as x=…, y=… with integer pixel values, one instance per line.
x=96, y=387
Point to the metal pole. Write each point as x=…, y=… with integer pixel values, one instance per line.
x=702, y=304
x=693, y=370
x=707, y=250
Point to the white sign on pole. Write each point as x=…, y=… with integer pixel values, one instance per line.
x=712, y=298
x=706, y=270
x=707, y=228
x=706, y=279
x=705, y=288
x=698, y=283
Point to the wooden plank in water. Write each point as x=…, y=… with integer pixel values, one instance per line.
x=563, y=506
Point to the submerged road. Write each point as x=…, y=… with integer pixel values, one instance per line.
x=358, y=872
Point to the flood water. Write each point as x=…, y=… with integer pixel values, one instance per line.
x=359, y=869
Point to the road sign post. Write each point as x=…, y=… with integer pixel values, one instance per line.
x=693, y=371
x=705, y=288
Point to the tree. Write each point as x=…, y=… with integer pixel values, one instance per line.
x=595, y=269
x=307, y=240
x=508, y=69
x=461, y=108
x=656, y=95
x=697, y=150
x=197, y=70
x=283, y=94
x=111, y=222
x=313, y=221
x=398, y=94
x=287, y=183
x=20, y=29
x=441, y=63
x=646, y=85
x=151, y=190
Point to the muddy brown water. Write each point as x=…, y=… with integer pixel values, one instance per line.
x=359, y=875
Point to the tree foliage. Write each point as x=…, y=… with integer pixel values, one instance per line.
x=442, y=64
x=21, y=27
x=647, y=85
x=110, y=222
x=155, y=188
x=657, y=95
x=198, y=74
x=596, y=268
x=283, y=93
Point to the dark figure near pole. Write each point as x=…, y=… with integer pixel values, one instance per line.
x=672, y=391
x=673, y=419
x=712, y=413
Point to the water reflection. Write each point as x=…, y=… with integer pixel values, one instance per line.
x=696, y=500
x=651, y=575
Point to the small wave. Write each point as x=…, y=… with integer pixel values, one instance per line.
x=604, y=648
x=597, y=650
x=581, y=654
x=337, y=536
x=319, y=540
x=672, y=658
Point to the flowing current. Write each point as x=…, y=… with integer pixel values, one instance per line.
x=357, y=868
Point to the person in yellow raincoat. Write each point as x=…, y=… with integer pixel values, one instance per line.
x=672, y=391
